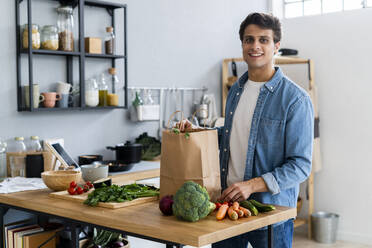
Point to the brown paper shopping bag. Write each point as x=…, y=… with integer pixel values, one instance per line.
x=190, y=156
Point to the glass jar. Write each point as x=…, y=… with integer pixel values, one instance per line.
x=18, y=145
x=112, y=97
x=35, y=37
x=103, y=90
x=35, y=145
x=65, y=24
x=49, y=37
x=91, y=93
x=3, y=166
x=109, y=40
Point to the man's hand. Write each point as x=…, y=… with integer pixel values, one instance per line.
x=184, y=125
x=242, y=190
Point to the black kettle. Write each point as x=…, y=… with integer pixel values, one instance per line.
x=128, y=153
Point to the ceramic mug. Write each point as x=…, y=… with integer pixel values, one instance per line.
x=37, y=98
x=65, y=100
x=50, y=99
x=63, y=88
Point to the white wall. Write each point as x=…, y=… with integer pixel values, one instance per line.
x=340, y=45
x=170, y=43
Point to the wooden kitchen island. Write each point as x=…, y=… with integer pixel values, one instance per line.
x=143, y=221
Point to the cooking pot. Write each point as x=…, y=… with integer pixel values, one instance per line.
x=127, y=153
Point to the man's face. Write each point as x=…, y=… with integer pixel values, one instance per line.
x=259, y=47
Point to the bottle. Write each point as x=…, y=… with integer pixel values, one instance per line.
x=109, y=40
x=65, y=24
x=91, y=93
x=35, y=145
x=3, y=167
x=113, y=98
x=102, y=90
x=19, y=145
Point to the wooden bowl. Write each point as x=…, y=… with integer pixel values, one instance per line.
x=60, y=180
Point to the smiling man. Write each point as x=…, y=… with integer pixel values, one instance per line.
x=266, y=142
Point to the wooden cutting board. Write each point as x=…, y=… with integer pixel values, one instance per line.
x=113, y=205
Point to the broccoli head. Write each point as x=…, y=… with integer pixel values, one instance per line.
x=191, y=202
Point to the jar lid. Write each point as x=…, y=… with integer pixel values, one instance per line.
x=49, y=28
x=34, y=26
x=112, y=71
x=109, y=29
x=19, y=138
x=35, y=137
x=64, y=9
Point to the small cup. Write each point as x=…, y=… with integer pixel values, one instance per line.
x=37, y=98
x=17, y=166
x=65, y=100
x=50, y=99
x=63, y=88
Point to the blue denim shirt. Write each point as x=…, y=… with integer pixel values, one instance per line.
x=280, y=142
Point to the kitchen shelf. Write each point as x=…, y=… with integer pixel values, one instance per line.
x=299, y=222
x=104, y=56
x=71, y=108
x=81, y=56
x=50, y=52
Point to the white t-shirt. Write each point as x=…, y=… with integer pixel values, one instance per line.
x=241, y=126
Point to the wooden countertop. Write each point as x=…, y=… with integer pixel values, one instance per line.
x=146, y=219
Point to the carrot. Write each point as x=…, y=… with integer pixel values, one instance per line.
x=235, y=206
x=240, y=213
x=247, y=213
x=232, y=214
x=221, y=213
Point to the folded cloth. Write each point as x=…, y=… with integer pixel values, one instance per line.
x=16, y=184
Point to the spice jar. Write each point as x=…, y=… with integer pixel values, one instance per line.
x=35, y=37
x=65, y=25
x=49, y=37
x=109, y=40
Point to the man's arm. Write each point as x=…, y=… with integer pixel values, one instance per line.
x=298, y=148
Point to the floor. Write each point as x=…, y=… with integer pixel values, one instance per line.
x=300, y=241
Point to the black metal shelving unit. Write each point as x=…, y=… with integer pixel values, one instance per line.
x=110, y=7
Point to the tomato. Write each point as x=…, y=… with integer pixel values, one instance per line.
x=73, y=184
x=71, y=191
x=218, y=205
x=86, y=188
x=226, y=203
x=79, y=190
x=90, y=185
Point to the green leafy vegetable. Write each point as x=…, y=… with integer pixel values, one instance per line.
x=116, y=193
x=151, y=147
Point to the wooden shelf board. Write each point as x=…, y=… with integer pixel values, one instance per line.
x=299, y=222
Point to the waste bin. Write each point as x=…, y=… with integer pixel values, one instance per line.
x=324, y=227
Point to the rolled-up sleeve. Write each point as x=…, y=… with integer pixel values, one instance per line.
x=299, y=135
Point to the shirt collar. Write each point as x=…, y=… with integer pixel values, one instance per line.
x=271, y=85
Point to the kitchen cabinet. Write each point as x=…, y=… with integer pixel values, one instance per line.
x=78, y=53
x=281, y=60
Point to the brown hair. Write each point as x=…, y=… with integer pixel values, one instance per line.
x=265, y=21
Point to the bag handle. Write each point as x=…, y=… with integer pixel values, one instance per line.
x=172, y=115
